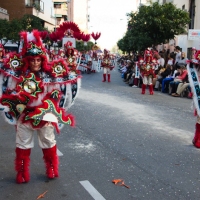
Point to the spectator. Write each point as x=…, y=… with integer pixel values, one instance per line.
x=183, y=60
x=162, y=75
x=158, y=76
x=161, y=63
x=168, y=79
x=181, y=87
x=177, y=52
x=170, y=59
x=128, y=70
x=194, y=51
x=178, y=79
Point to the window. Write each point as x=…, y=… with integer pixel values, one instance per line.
x=58, y=20
x=39, y=5
x=57, y=5
x=183, y=7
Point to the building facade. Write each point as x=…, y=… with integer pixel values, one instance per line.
x=41, y=9
x=60, y=8
x=78, y=12
x=4, y=14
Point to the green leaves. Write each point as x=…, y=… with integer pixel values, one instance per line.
x=153, y=25
x=11, y=29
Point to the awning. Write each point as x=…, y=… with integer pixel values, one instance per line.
x=58, y=15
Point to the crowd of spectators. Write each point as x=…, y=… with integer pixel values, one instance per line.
x=170, y=73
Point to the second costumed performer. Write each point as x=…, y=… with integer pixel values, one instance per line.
x=34, y=97
x=147, y=66
x=106, y=63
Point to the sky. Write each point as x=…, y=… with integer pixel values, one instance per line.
x=109, y=18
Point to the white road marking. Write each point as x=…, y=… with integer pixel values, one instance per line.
x=59, y=153
x=92, y=191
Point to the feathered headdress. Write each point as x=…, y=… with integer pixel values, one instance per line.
x=31, y=45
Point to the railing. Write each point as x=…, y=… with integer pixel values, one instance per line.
x=4, y=11
x=37, y=4
x=29, y=3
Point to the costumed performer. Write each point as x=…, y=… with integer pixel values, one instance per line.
x=193, y=68
x=34, y=98
x=147, y=65
x=106, y=63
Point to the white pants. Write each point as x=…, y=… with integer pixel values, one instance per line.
x=25, y=136
x=147, y=80
x=106, y=70
x=95, y=65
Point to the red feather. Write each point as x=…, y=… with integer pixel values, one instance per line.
x=85, y=37
x=95, y=36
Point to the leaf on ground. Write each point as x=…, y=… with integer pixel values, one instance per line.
x=42, y=195
x=118, y=181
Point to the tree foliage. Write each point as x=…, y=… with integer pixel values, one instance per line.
x=10, y=29
x=81, y=47
x=153, y=25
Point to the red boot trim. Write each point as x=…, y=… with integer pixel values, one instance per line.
x=151, y=89
x=22, y=162
x=104, y=78
x=51, y=162
x=196, y=140
x=143, y=88
x=108, y=77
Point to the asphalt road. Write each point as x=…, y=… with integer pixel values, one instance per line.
x=120, y=134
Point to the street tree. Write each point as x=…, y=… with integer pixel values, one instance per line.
x=155, y=24
x=10, y=29
x=81, y=46
x=4, y=24
x=30, y=22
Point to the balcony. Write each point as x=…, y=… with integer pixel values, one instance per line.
x=37, y=4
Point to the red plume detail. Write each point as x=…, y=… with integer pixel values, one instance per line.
x=55, y=36
x=77, y=35
x=43, y=34
x=85, y=37
x=95, y=36
x=68, y=26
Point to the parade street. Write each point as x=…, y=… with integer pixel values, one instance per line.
x=145, y=140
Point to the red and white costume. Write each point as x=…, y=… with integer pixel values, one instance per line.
x=147, y=71
x=193, y=68
x=106, y=64
x=70, y=57
x=34, y=98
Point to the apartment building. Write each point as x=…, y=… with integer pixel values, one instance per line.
x=4, y=14
x=78, y=12
x=41, y=9
x=60, y=8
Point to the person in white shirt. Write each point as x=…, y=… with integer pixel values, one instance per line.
x=177, y=51
x=161, y=60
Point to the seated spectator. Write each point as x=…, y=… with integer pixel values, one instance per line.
x=182, y=61
x=178, y=79
x=181, y=87
x=128, y=70
x=161, y=62
x=168, y=79
x=162, y=75
x=170, y=59
x=158, y=76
